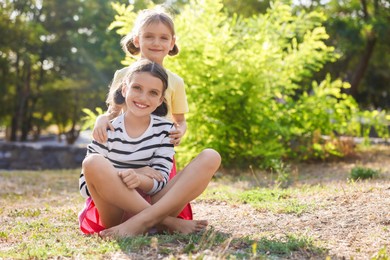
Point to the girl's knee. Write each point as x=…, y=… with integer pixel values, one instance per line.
x=211, y=156
x=91, y=162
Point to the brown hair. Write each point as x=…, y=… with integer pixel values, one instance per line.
x=145, y=18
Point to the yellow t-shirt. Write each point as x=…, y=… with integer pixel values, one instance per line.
x=175, y=95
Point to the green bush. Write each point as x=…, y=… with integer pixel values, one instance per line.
x=363, y=173
x=246, y=87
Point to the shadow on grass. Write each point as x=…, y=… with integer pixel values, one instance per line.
x=219, y=245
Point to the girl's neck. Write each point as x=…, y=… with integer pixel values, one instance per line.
x=135, y=126
x=159, y=63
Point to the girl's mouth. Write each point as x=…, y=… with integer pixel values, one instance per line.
x=139, y=105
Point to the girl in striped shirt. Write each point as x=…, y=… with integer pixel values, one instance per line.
x=126, y=179
x=153, y=37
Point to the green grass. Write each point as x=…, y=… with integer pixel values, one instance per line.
x=276, y=200
x=39, y=211
x=39, y=220
x=287, y=244
x=39, y=217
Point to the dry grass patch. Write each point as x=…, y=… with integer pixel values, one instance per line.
x=321, y=214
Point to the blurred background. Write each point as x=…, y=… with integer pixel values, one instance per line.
x=265, y=80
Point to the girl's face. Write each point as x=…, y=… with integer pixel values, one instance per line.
x=143, y=94
x=155, y=41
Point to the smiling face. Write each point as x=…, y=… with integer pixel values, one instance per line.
x=155, y=41
x=143, y=94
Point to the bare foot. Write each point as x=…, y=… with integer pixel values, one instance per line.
x=133, y=227
x=183, y=226
x=130, y=228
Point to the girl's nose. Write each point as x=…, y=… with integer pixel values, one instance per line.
x=142, y=96
x=155, y=42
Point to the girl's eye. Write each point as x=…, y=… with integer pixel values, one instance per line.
x=154, y=93
x=136, y=87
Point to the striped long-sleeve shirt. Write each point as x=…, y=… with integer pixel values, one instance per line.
x=152, y=148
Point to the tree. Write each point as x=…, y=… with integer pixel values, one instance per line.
x=360, y=30
x=246, y=8
x=52, y=43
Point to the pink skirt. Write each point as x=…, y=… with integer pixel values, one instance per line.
x=89, y=219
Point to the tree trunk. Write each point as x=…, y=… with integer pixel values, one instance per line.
x=25, y=119
x=362, y=65
x=73, y=133
x=15, y=115
x=36, y=128
x=371, y=37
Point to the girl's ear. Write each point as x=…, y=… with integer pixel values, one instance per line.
x=162, y=99
x=124, y=89
x=136, y=41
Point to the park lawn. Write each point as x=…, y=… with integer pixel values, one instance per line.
x=39, y=220
x=249, y=219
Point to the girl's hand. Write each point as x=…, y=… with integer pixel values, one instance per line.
x=180, y=129
x=151, y=173
x=130, y=178
x=175, y=136
x=99, y=132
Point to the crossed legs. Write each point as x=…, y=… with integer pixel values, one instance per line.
x=113, y=198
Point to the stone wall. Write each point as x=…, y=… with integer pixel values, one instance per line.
x=29, y=156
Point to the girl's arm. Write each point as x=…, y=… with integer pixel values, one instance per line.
x=150, y=172
x=142, y=178
x=162, y=161
x=99, y=132
x=134, y=179
x=181, y=128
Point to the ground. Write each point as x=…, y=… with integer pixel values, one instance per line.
x=341, y=218
x=352, y=220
